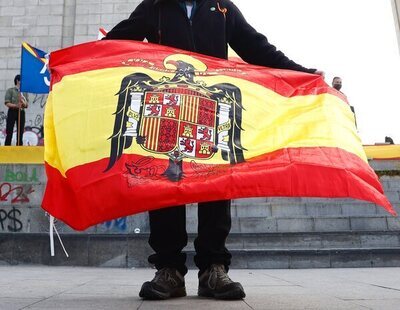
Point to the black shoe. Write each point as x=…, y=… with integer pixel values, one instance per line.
x=167, y=283
x=215, y=282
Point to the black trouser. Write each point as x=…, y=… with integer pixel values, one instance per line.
x=168, y=236
x=12, y=118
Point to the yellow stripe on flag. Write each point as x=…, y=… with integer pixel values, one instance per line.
x=32, y=51
x=86, y=102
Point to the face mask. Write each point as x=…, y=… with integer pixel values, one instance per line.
x=337, y=86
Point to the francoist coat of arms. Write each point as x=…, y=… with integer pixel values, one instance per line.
x=180, y=117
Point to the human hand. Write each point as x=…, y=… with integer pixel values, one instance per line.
x=23, y=104
x=321, y=73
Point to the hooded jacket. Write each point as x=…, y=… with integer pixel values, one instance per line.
x=213, y=25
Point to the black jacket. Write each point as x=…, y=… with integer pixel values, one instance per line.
x=214, y=25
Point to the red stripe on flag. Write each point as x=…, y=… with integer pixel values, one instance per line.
x=89, y=196
x=121, y=53
x=103, y=32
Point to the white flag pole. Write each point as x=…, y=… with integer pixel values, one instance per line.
x=51, y=235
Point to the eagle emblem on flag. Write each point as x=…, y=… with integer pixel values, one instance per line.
x=179, y=117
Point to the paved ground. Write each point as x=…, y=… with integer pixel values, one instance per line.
x=27, y=287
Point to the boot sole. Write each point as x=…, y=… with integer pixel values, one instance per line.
x=230, y=295
x=149, y=293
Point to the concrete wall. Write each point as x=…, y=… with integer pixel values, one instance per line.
x=396, y=13
x=48, y=25
x=21, y=192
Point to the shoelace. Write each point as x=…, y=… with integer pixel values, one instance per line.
x=217, y=272
x=164, y=275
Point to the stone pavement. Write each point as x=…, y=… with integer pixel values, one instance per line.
x=43, y=287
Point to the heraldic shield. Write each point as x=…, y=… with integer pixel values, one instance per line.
x=178, y=117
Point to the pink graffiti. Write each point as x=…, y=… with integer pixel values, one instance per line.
x=21, y=196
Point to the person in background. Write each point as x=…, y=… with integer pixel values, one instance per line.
x=16, y=103
x=389, y=140
x=337, y=84
x=205, y=27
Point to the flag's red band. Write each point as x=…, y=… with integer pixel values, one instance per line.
x=112, y=53
x=288, y=172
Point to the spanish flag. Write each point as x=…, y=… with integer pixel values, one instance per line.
x=133, y=126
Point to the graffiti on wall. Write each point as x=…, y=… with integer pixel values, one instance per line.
x=33, y=130
x=10, y=220
x=15, y=193
x=16, y=189
x=116, y=225
x=3, y=118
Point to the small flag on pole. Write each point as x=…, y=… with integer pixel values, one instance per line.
x=102, y=33
x=35, y=76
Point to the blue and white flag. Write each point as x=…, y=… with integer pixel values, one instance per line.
x=35, y=76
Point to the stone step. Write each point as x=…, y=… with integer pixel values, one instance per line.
x=290, y=250
x=308, y=224
x=314, y=207
x=326, y=258
x=315, y=241
x=33, y=220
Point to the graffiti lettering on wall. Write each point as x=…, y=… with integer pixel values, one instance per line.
x=10, y=220
x=33, y=131
x=21, y=176
x=39, y=99
x=15, y=193
x=32, y=136
x=3, y=118
x=118, y=224
x=38, y=120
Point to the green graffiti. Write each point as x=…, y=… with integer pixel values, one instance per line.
x=22, y=177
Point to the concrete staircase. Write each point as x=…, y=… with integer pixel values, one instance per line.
x=266, y=233
x=310, y=233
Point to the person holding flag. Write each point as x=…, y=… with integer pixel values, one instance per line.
x=34, y=78
x=205, y=27
x=16, y=102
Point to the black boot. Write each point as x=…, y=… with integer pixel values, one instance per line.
x=215, y=282
x=167, y=283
